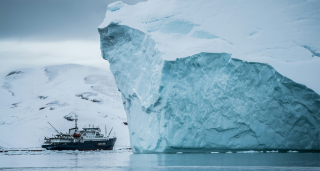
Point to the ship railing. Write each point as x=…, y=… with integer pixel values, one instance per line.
x=47, y=142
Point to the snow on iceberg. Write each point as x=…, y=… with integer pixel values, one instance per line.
x=115, y=6
x=202, y=101
x=283, y=34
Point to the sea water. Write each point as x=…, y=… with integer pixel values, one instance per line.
x=126, y=160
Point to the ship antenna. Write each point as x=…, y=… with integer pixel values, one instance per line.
x=54, y=128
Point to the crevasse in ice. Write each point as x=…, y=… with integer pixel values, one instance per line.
x=205, y=101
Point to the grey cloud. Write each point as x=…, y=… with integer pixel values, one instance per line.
x=52, y=20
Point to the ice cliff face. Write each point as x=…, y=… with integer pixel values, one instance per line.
x=206, y=100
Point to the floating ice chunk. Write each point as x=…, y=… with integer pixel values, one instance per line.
x=292, y=151
x=250, y=151
x=273, y=151
x=214, y=152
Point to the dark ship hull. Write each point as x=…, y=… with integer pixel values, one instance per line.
x=85, y=146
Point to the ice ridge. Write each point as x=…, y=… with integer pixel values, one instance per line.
x=207, y=101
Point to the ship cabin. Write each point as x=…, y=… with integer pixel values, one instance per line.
x=91, y=133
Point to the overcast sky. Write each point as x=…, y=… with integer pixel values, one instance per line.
x=36, y=33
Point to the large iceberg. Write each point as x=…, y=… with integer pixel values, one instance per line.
x=186, y=88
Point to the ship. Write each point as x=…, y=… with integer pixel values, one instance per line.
x=87, y=139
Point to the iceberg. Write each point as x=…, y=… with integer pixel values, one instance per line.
x=209, y=97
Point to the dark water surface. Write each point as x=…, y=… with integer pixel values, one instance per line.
x=128, y=161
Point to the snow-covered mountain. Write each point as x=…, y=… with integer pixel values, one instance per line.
x=29, y=98
x=216, y=75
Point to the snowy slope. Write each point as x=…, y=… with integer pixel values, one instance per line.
x=32, y=97
x=285, y=34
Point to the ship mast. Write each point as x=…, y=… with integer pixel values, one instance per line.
x=105, y=130
x=76, y=120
